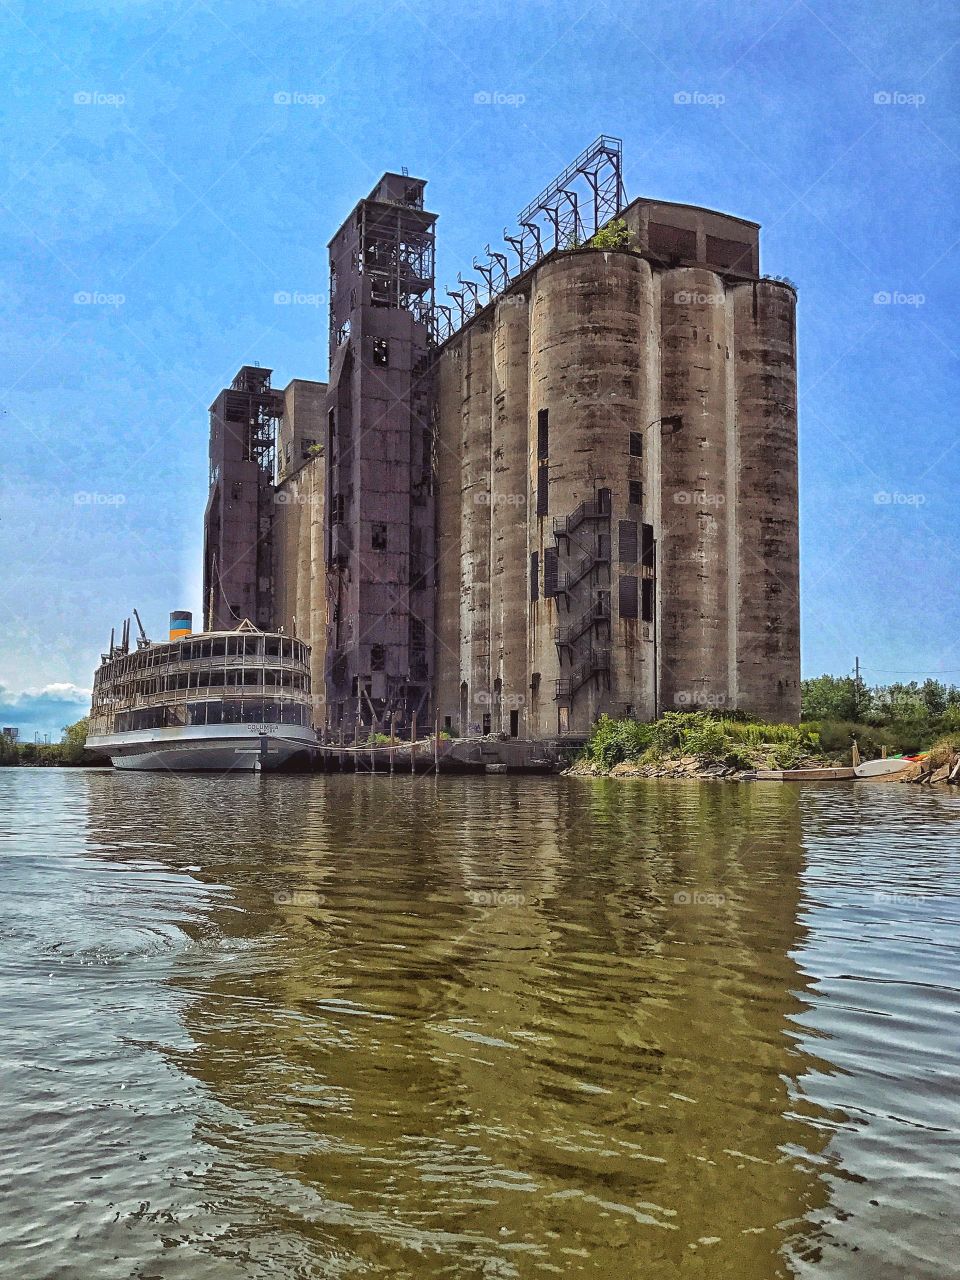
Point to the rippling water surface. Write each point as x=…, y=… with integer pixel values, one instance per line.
x=337, y=1026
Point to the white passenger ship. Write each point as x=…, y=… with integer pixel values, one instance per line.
x=218, y=700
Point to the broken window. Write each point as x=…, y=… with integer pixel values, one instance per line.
x=646, y=603
x=646, y=546
x=551, y=571
x=628, y=597
x=543, y=501
x=636, y=444
x=543, y=432
x=378, y=657
x=378, y=537
x=381, y=351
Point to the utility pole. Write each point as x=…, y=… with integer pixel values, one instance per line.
x=856, y=687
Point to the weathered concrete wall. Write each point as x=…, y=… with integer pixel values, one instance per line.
x=300, y=587
x=702, y=370
x=509, y=508
x=693, y=559
x=768, y=556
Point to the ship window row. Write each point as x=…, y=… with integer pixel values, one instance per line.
x=284, y=648
x=246, y=676
x=231, y=711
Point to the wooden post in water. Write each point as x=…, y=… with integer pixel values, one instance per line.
x=393, y=738
x=413, y=743
x=356, y=744
x=436, y=744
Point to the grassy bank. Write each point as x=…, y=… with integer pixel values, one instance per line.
x=739, y=743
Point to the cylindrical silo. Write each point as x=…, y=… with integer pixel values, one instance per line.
x=449, y=391
x=475, y=464
x=692, y=546
x=588, y=378
x=508, y=513
x=768, y=588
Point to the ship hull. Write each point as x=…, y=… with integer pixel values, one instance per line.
x=225, y=748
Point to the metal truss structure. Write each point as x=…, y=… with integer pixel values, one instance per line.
x=567, y=213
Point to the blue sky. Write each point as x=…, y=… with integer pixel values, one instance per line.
x=147, y=158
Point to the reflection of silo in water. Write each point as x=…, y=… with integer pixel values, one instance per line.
x=498, y=1028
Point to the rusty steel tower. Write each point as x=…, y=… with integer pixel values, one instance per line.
x=238, y=522
x=379, y=541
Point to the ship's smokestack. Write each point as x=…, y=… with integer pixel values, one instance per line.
x=181, y=624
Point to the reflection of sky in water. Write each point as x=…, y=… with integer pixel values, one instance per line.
x=322, y=1024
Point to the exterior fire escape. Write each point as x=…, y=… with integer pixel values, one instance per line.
x=583, y=586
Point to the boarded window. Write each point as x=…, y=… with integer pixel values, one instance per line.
x=646, y=546
x=628, y=541
x=628, y=597
x=636, y=493
x=535, y=576
x=542, y=490
x=729, y=253
x=671, y=242
x=543, y=433
x=636, y=444
x=378, y=537
x=646, y=603
x=551, y=571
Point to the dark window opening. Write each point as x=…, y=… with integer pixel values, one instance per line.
x=381, y=351
x=378, y=657
x=514, y=724
x=636, y=493
x=628, y=541
x=543, y=500
x=535, y=575
x=486, y=722
x=543, y=433
x=646, y=546
x=551, y=571
x=636, y=444
x=646, y=603
x=448, y=722
x=628, y=598
x=378, y=537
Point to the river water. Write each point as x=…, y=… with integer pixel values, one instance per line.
x=476, y=1027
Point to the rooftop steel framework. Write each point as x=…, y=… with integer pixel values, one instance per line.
x=568, y=212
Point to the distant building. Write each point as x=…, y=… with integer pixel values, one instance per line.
x=573, y=492
x=10, y=732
